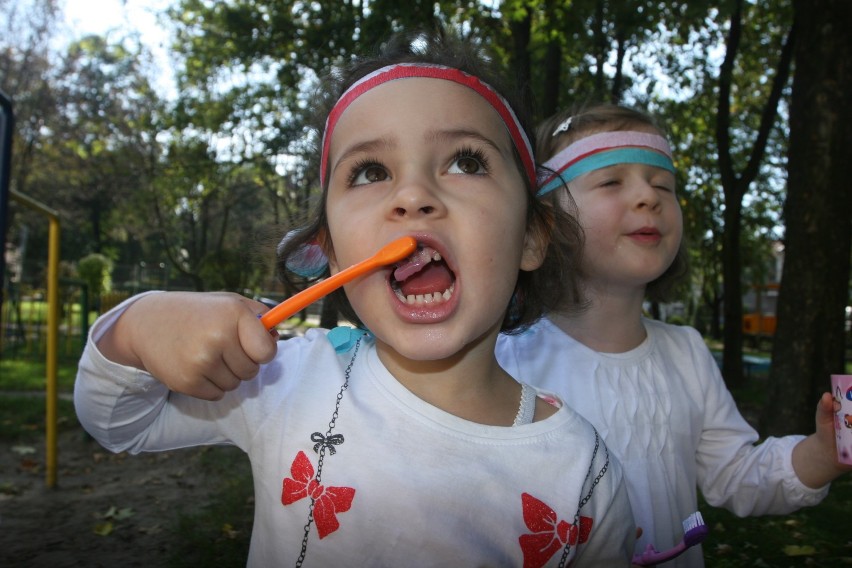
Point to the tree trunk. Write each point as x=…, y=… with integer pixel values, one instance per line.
x=732, y=188
x=552, y=74
x=735, y=185
x=809, y=339
x=521, y=34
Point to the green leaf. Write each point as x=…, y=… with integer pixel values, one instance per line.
x=103, y=529
x=797, y=550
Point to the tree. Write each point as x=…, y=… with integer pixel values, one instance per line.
x=25, y=72
x=735, y=184
x=103, y=140
x=809, y=340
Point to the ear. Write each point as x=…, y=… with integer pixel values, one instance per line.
x=536, y=241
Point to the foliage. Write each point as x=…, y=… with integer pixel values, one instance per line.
x=96, y=270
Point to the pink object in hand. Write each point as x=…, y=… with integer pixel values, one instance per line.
x=841, y=391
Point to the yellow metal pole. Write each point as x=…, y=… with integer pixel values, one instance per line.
x=51, y=415
x=51, y=395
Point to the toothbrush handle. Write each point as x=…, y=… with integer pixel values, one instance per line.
x=652, y=556
x=306, y=297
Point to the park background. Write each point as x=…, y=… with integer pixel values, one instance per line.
x=191, y=185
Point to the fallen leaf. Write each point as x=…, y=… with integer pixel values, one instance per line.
x=724, y=549
x=229, y=532
x=103, y=529
x=30, y=465
x=797, y=550
x=23, y=450
x=118, y=514
x=154, y=529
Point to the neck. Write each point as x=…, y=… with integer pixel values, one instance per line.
x=612, y=322
x=470, y=384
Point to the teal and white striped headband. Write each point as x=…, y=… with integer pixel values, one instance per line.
x=603, y=150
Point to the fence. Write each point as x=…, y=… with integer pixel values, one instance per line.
x=23, y=321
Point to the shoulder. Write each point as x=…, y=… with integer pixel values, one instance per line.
x=536, y=335
x=681, y=336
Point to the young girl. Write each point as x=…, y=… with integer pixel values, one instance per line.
x=404, y=445
x=653, y=390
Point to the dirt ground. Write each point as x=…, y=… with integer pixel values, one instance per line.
x=106, y=510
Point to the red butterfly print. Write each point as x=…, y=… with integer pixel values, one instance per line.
x=328, y=501
x=549, y=535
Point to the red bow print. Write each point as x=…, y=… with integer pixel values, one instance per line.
x=328, y=501
x=549, y=533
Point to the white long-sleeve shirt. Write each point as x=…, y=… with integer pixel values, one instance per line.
x=665, y=413
x=392, y=480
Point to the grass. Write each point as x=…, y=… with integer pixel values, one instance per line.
x=25, y=375
x=23, y=418
x=219, y=534
x=817, y=536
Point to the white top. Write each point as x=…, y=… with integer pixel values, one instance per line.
x=665, y=413
x=402, y=483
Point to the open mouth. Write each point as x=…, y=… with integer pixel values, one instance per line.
x=423, y=278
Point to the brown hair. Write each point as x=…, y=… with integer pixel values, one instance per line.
x=553, y=285
x=587, y=120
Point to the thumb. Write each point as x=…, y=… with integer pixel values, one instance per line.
x=256, y=341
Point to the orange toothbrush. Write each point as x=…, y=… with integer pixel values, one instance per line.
x=388, y=254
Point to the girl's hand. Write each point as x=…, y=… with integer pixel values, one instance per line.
x=826, y=410
x=199, y=344
x=815, y=457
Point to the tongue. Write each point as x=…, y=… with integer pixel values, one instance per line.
x=413, y=264
x=434, y=277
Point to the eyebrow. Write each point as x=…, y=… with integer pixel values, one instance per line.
x=434, y=135
x=458, y=133
x=365, y=147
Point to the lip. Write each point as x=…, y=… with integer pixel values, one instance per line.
x=427, y=313
x=646, y=235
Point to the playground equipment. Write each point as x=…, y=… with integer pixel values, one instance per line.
x=51, y=397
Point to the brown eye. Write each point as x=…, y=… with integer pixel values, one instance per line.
x=469, y=162
x=368, y=173
x=375, y=173
x=468, y=165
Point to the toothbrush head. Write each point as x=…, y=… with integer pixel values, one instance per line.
x=694, y=529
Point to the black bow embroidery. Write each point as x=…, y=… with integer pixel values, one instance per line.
x=330, y=442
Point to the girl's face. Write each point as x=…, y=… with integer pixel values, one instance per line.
x=431, y=159
x=632, y=222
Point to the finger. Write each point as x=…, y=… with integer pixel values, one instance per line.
x=206, y=390
x=826, y=407
x=256, y=342
x=239, y=364
x=223, y=379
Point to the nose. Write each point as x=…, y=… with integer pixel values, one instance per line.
x=416, y=197
x=646, y=195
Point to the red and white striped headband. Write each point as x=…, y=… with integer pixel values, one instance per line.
x=430, y=71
